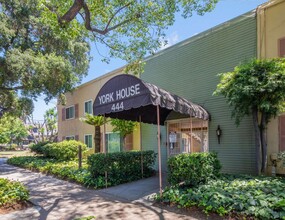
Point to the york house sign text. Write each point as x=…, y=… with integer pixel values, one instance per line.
x=118, y=96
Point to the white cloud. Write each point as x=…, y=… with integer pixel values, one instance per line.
x=171, y=40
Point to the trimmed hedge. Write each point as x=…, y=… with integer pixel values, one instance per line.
x=193, y=169
x=38, y=148
x=12, y=192
x=121, y=167
x=65, y=150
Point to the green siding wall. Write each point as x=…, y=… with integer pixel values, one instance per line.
x=149, y=142
x=190, y=69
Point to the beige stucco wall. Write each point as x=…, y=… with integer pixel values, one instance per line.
x=83, y=93
x=270, y=28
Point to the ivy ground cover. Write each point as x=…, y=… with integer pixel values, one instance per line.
x=12, y=192
x=244, y=196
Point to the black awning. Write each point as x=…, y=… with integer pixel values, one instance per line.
x=128, y=97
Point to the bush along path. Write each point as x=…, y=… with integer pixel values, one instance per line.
x=12, y=194
x=60, y=160
x=238, y=196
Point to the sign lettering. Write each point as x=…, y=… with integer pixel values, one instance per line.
x=119, y=95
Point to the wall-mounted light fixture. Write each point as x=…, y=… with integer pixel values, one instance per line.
x=219, y=133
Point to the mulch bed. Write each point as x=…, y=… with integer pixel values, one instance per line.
x=15, y=207
x=198, y=213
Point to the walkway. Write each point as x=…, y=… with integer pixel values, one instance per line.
x=57, y=199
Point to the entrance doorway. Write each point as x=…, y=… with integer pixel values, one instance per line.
x=187, y=135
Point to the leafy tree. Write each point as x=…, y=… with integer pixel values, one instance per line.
x=256, y=88
x=130, y=29
x=35, y=57
x=12, y=130
x=50, y=121
x=124, y=127
x=97, y=122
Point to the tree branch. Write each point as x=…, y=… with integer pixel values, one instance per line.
x=113, y=16
x=73, y=11
x=11, y=88
x=107, y=29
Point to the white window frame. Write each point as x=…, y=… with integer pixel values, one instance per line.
x=70, y=137
x=91, y=106
x=73, y=114
x=91, y=140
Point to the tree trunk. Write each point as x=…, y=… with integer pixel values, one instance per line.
x=263, y=142
x=257, y=139
x=97, y=139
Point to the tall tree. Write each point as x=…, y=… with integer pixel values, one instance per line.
x=129, y=28
x=124, y=127
x=50, y=121
x=97, y=122
x=256, y=88
x=12, y=130
x=35, y=57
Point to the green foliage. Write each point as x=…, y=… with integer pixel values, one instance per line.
x=257, y=83
x=260, y=197
x=50, y=117
x=12, y=129
x=257, y=88
x=33, y=55
x=38, y=148
x=193, y=169
x=93, y=120
x=129, y=29
x=122, y=167
x=123, y=126
x=12, y=192
x=67, y=170
x=65, y=150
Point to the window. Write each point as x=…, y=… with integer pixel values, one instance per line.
x=187, y=136
x=88, y=107
x=68, y=138
x=282, y=133
x=281, y=47
x=113, y=142
x=69, y=112
x=88, y=140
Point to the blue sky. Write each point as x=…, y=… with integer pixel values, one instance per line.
x=181, y=30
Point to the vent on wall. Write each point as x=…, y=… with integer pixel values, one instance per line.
x=281, y=47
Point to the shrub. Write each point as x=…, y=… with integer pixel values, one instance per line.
x=253, y=197
x=38, y=147
x=122, y=166
x=12, y=192
x=193, y=169
x=12, y=147
x=67, y=170
x=65, y=150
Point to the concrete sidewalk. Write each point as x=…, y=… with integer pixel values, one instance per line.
x=57, y=199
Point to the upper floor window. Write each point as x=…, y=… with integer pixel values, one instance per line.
x=88, y=107
x=69, y=112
